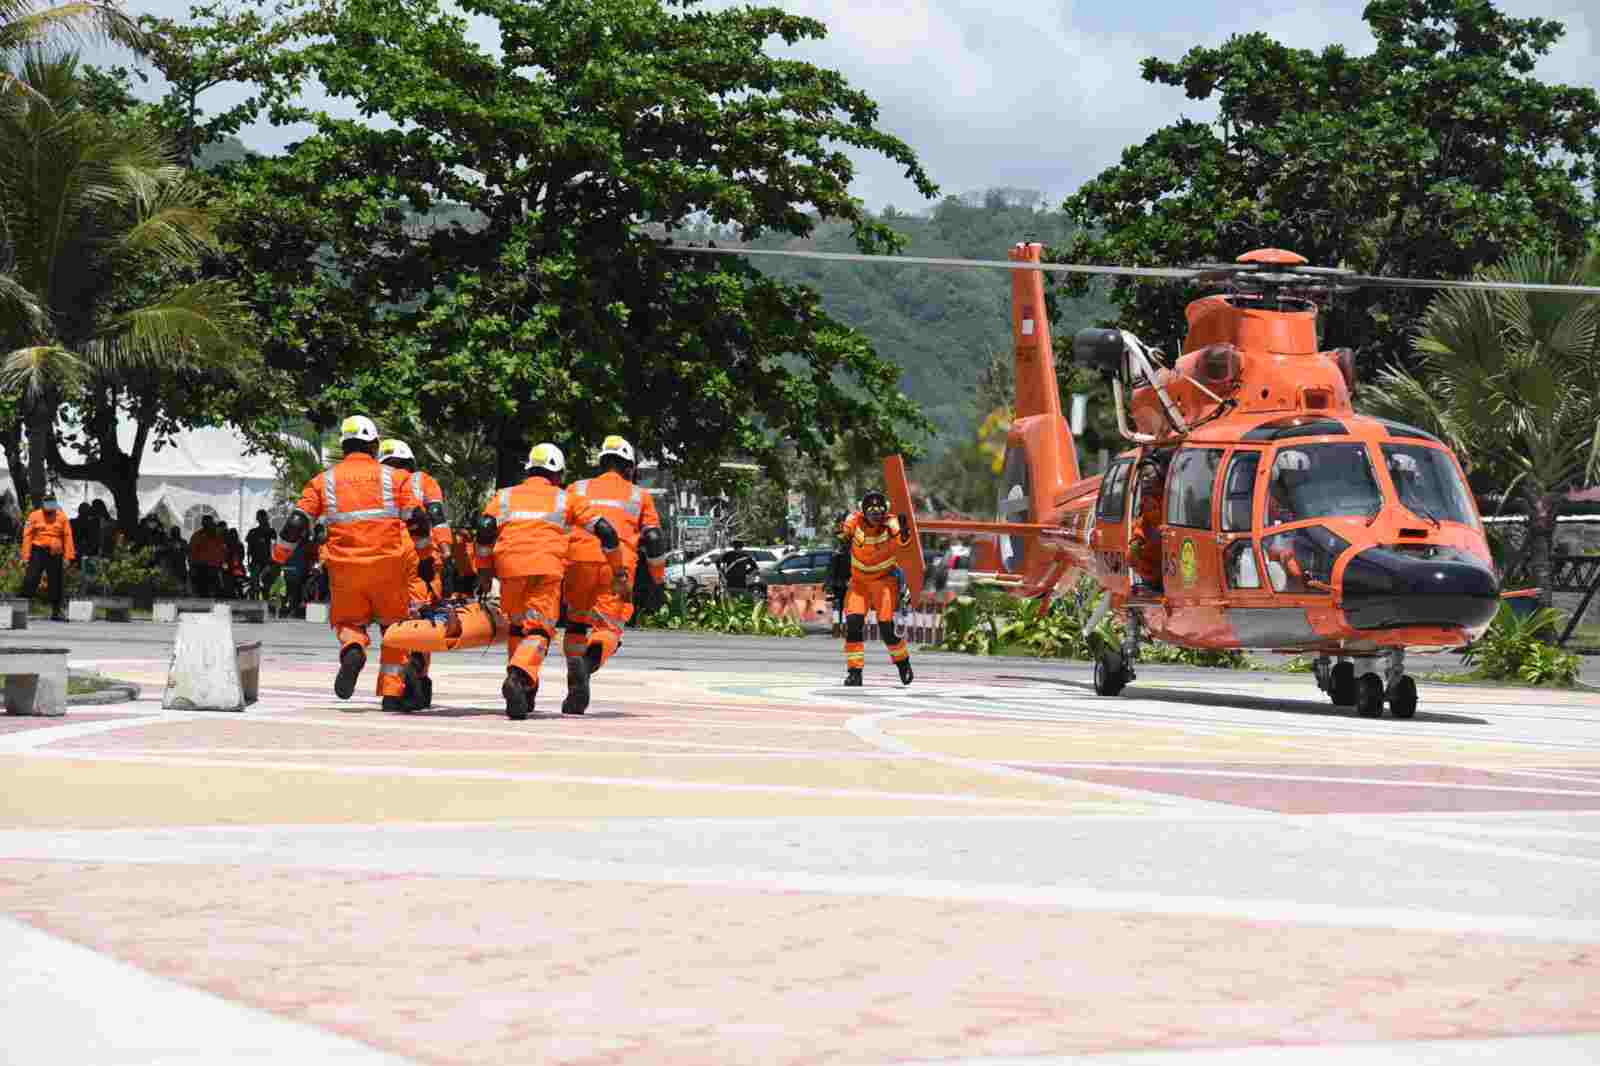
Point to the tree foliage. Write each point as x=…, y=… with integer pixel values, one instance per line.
x=1435, y=154
x=555, y=315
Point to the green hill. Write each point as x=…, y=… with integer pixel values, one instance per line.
x=940, y=324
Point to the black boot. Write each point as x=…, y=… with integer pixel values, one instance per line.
x=591, y=655
x=852, y=677
x=577, y=700
x=519, y=692
x=419, y=686
x=395, y=703
x=905, y=671
x=351, y=662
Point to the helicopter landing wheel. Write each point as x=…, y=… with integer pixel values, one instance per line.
x=1342, y=685
x=1109, y=674
x=1403, y=697
x=1369, y=696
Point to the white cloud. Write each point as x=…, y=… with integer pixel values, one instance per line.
x=1044, y=94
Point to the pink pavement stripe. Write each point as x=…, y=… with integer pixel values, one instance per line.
x=631, y=753
x=501, y=971
x=1285, y=795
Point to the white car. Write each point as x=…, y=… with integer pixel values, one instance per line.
x=702, y=569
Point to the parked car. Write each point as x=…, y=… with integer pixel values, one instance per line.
x=702, y=572
x=807, y=566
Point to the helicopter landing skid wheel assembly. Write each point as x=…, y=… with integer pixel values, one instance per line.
x=1113, y=668
x=1357, y=683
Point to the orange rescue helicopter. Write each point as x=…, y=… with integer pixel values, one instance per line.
x=1255, y=509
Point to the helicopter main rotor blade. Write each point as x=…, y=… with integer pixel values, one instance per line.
x=1166, y=273
x=1477, y=286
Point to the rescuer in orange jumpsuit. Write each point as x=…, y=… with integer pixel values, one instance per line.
x=526, y=531
x=372, y=513
x=1144, y=549
x=587, y=591
x=427, y=581
x=46, y=547
x=873, y=534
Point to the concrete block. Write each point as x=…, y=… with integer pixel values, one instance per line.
x=117, y=608
x=254, y=611
x=317, y=612
x=80, y=610
x=204, y=675
x=7, y=614
x=36, y=681
x=165, y=611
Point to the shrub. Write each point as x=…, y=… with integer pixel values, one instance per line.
x=714, y=614
x=1516, y=649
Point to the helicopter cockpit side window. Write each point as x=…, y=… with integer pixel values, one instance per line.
x=1428, y=483
x=1239, y=492
x=1192, y=486
x=1321, y=481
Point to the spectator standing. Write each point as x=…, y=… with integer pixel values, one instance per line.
x=47, y=546
x=258, y=550
x=207, y=553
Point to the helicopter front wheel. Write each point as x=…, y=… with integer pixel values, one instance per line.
x=1403, y=697
x=1110, y=674
x=1342, y=684
x=1369, y=696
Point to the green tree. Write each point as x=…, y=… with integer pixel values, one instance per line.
x=97, y=217
x=1511, y=380
x=556, y=315
x=1437, y=153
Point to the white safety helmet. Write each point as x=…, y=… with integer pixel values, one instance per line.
x=615, y=445
x=1293, y=460
x=395, y=449
x=358, y=427
x=546, y=457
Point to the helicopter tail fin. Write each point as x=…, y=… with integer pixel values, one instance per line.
x=909, y=555
x=1034, y=355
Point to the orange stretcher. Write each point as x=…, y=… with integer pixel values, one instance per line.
x=452, y=627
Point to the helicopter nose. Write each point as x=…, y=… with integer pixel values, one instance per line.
x=1385, y=587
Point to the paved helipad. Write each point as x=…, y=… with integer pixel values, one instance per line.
x=731, y=859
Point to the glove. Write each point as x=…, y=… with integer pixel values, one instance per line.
x=426, y=568
x=622, y=584
x=485, y=582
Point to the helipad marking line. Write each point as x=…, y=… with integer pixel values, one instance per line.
x=30, y=739
x=865, y=728
x=69, y=1004
x=1064, y=896
x=1139, y=768
x=495, y=753
x=567, y=779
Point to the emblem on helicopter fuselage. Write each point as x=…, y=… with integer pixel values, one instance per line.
x=1189, y=563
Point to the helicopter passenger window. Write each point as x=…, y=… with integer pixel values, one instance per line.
x=1192, y=486
x=1239, y=491
x=1240, y=565
x=1320, y=481
x=1114, y=491
x=1428, y=483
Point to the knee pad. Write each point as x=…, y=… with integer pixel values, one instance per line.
x=855, y=628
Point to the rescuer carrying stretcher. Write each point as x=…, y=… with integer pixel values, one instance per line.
x=589, y=591
x=426, y=586
x=524, y=536
x=872, y=535
x=373, y=514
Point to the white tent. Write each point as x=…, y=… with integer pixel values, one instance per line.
x=198, y=472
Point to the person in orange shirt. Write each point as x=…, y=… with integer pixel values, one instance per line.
x=873, y=534
x=427, y=583
x=524, y=536
x=207, y=553
x=587, y=591
x=46, y=547
x=1144, y=548
x=372, y=512
x=463, y=558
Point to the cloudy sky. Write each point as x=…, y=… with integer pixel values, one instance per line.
x=1041, y=95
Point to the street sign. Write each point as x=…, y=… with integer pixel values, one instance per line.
x=695, y=521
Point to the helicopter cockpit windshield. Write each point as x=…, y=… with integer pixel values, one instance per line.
x=1322, y=481
x=1428, y=483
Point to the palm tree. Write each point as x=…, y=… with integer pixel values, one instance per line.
x=96, y=222
x=1511, y=380
x=25, y=26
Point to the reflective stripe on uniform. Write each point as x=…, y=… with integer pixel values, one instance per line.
x=632, y=505
x=611, y=620
x=872, y=568
x=392, y=668
x=557, y=517
x=335, y=517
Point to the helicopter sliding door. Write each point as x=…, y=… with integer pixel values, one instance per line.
x=1191, y=557
x=1108, y=543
